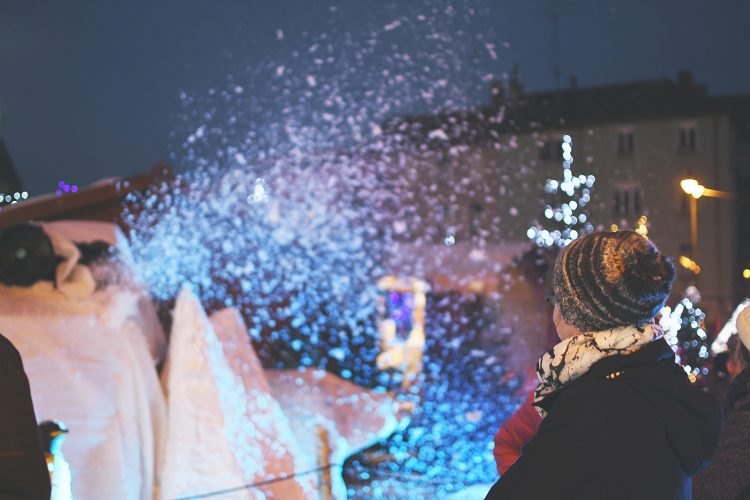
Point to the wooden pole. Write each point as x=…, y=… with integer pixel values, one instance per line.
x=694, y=227
x=324, y=460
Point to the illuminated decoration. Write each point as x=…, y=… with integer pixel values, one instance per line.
x=683, y=330
x=12, y=199
x=729, y=329
x=402, y=339
x=450, y=236
x=63, y=188
x=567, y=219
x=692, y=187
x=641, y=226
x=614, y=228
x=746, y=274
x=259, y=194
x=689, y=264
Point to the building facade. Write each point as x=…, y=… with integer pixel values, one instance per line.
x=482, y=176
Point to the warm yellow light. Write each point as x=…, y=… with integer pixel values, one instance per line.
x=641, y=226
x=689, y=185
x=698, y=191
x=614, y=228
x=746, y=274
x=689, y=264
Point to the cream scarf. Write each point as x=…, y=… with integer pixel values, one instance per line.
x=573, y=357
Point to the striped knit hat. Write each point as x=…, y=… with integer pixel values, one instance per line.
x=604, y=280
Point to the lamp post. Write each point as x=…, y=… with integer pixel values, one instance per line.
x=695, y=189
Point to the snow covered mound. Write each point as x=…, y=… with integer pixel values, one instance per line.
x=225, y=429
x=88, y=361
x=354, y=417
x=272, y=435
x=206, y=403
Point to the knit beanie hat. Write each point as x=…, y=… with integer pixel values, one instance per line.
x=743, y=327
x=608, y=279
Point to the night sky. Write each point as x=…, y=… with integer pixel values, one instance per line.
x=90, y=89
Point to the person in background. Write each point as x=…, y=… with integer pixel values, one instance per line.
x=515, y=433
x=728, y=474
x=621, y=420
x=523, y=424
x=719, y=376
x=23, y=470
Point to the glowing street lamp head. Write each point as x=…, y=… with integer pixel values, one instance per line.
x=698, y=191
x=689, y=185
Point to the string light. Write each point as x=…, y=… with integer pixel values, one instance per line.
x=689, y=264
x=63, y=187
x=641, y=226
x=684, y=332
x=577, y=188
x=13, y=199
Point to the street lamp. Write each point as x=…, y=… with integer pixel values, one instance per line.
x=695, y=189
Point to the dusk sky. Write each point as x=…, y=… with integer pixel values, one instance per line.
x=91, y=89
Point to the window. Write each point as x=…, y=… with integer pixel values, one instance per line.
x=628, y=200
x=637, y=201
x=550, y=150
x=475, y=213
x=447, y=228
x=545, y=151
x=625, y=143
x=686, y=138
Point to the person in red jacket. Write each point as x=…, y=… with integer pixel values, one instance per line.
x=23, y=469
x=523, y=424
x=515, y=433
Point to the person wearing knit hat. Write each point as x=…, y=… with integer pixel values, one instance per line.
x=621, y=419
x=606, y=280
x=728, y=475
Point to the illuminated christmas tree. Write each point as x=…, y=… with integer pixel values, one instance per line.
x=684, y=330
x=565, y=214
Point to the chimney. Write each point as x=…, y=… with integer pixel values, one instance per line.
x=685, y=78
x=515, y=85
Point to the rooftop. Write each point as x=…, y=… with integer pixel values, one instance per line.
x=515, y=111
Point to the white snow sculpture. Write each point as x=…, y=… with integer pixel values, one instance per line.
x=225, y=429
x=89, y=365
x=272, y=437
x=205, y=405
x=354, y=417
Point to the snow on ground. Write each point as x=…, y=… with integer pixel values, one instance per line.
x=354, y=417
x=477, y=492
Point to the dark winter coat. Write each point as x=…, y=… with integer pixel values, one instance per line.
x=632, y=427
x=728, y=475
x=23, y=470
